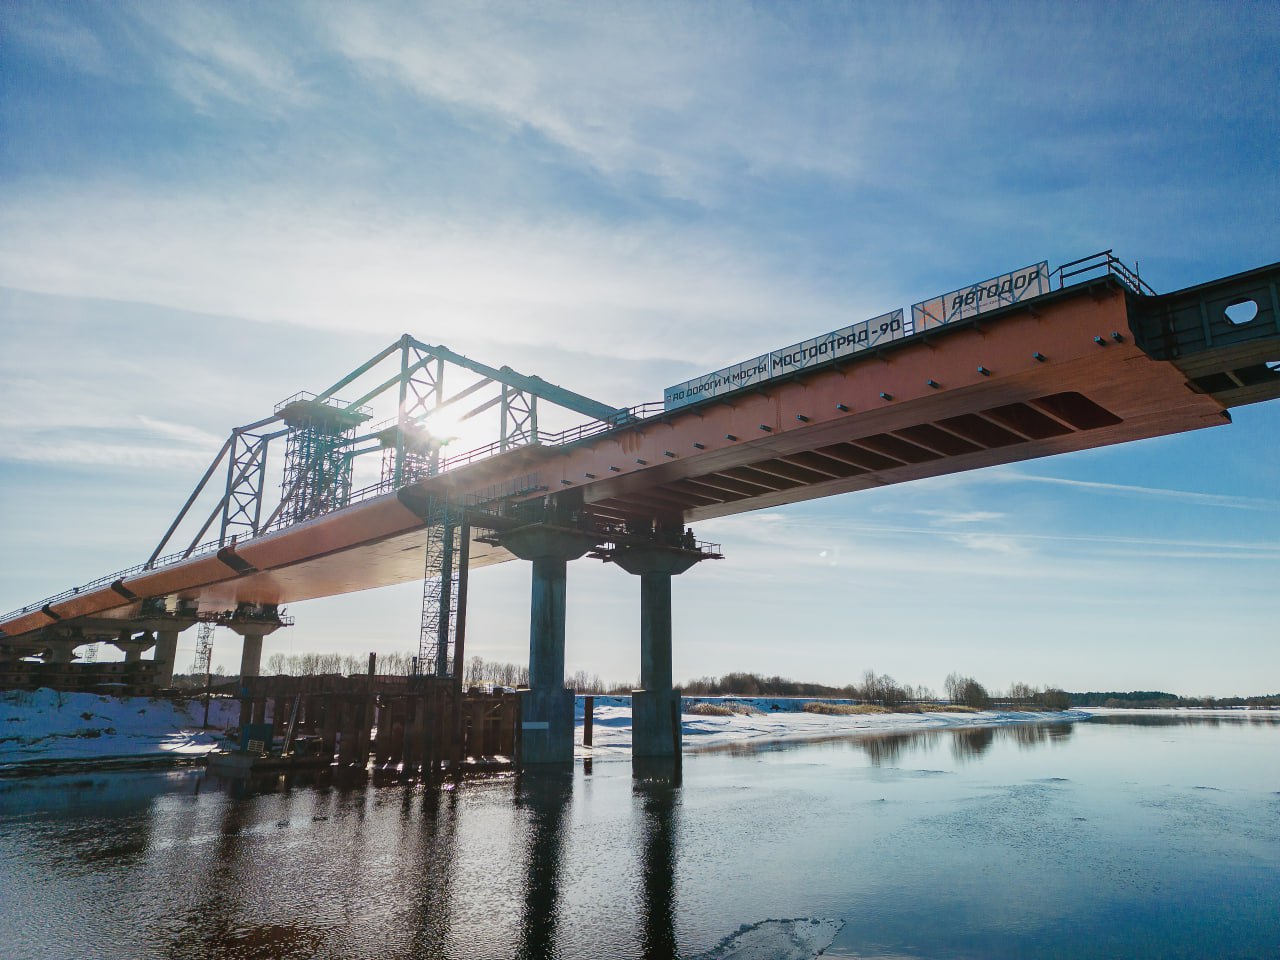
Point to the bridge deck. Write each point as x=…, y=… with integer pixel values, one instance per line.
x=1059, y=373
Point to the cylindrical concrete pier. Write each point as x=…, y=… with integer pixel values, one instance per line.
x=655, y=709
x=547, y=708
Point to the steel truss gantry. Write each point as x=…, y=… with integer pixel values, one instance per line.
x=325, y=436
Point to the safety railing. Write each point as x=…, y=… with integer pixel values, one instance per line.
x=111, y=578
x=1108, y=262
x=308, y=396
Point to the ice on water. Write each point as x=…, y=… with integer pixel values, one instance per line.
x=800, y=939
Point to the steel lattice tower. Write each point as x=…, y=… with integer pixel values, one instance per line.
x=317, y=466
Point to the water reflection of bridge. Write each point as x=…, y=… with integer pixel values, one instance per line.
x=464, y=898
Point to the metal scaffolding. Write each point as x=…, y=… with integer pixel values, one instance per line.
x=317, y=459
x=441, y=581
x=204, y=649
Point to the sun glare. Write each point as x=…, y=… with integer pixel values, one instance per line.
x=457, y=435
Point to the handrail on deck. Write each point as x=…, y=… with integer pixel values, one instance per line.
x=1108, y=261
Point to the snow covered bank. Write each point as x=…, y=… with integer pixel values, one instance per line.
x=783, y=719
x=44, y=725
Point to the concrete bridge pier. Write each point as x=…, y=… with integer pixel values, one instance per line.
x=62, y=649
x=547, y=707
x=132, y=646
x=655, y=708
x=252, y=623
x=165, y=654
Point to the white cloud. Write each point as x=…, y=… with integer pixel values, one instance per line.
x=625, y=292
x=652, y=91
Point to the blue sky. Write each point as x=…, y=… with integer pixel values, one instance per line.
x=205, y=208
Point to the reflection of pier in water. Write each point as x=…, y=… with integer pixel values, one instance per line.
x=547, y=802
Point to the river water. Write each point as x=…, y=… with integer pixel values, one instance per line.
x=1120, y=837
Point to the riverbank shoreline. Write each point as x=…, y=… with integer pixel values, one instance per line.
x=43, y=732
x=783, y=720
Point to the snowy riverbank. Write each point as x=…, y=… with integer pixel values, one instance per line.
x=44, y=726
x=781, y=719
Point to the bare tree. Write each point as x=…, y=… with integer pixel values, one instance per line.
x=1023, y=693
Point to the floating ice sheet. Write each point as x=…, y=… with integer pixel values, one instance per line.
x=800, y=939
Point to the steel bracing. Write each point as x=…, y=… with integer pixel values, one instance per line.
x=246, y=473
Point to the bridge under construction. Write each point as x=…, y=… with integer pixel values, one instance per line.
x=1030, y=364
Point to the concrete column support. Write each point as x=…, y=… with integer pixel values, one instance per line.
x=655, y=709
x=547, y=708
x=655, y=630
x=251, y=654
x=252, y=629
x=546, y=623
x=166, y=653
x=132, y=646
x=61, y=651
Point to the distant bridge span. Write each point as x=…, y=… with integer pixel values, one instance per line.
x=1089, y=365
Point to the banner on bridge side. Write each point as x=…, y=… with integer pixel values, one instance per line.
x=838, y=343
x=714, y=384
x=1001, y=291
x=798, y=356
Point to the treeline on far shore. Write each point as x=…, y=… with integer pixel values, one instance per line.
x=880, y=689
x=1158, y=699
x=883, y=690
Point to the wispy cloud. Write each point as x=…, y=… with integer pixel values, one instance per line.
x=618, y=291
x=631, y=91
x=102, y=452
x=181, y=432
x=1162, y=493
x=951, y=517
x=207, y=55
x=848, y=539
x=57, y=35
